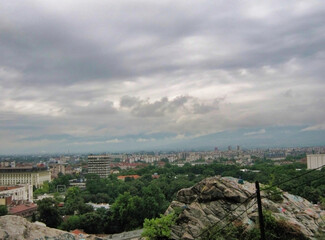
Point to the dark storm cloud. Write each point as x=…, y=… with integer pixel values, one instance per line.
x=50, y=48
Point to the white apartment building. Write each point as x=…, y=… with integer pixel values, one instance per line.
x=315, y=161
x=99, y=164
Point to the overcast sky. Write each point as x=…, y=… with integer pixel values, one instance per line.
x=130, y=75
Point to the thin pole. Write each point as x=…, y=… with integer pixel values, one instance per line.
x=260, y=212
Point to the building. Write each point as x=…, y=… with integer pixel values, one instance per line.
x=24, y=175
x=23, y=210
x=99, y=205
x=99, y=164
x=315, y=161
x=128, y=176
x=56, y=169
x=11, y=194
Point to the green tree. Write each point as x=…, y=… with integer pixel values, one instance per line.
x=95, y=184
x=158, y=228
x=127, y=211
x=74, y=203
x=154, y=200
x=61, y=180
x=48, y=212
x=92, y=222
x=45, y=188
x=72, y=222
x=3, y=210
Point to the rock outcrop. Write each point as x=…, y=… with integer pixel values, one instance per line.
x=215, y=198
x=14, y=228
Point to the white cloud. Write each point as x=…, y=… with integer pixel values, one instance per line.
x=317, y=127
x=145, y=140
x=114, y=141
x=262, y=131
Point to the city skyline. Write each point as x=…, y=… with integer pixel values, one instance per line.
x=93, y=76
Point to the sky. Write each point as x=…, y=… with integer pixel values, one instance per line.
x=88, y=76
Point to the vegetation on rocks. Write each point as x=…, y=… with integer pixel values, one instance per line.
x=274, y=230
x=159, y=228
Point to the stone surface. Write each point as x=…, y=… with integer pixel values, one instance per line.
x=212, y=199
x=18, y=228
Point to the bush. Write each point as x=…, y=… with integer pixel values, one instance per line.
x=3, y=210
x=159, y=228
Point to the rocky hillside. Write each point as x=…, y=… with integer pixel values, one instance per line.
x=18, y=228
x=214, y=198
x=14, y=227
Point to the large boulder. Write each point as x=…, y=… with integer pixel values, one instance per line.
x=14, y=227
x=214, y=200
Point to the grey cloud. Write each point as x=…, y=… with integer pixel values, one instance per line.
x=52, y=137
x=95, y=109
x=53, y=49
x=159, y=108
x=202, y=109
x=155, y=109
x=128, y=101
x=288, y=93
x=104, y=70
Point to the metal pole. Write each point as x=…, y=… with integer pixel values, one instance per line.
x=260, y=212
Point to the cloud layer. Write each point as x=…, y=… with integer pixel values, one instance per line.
x=96, y=75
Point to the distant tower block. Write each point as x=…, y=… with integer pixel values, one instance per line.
x=229, y=148
x=99, y=164
x=216, y=149
x=315, y=161
x=238, y=148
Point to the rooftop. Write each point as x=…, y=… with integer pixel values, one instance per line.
x=22, y=208
x=5, y=188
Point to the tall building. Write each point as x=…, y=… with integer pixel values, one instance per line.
x=24, y=175
x=99, y=164
x=315, y=161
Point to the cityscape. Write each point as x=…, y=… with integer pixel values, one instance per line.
x=26, y=180
x=162, y=120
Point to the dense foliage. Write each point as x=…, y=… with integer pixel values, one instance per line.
x=3, y=210
x=158, y=228
x=48, y=212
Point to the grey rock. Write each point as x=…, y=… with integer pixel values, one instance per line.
x=213, y=199
x=14, y=228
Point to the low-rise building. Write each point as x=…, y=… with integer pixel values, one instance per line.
x=23, y=210
x=10, y=194
x=56, y=169
x=128, y=176
x=99, y=205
